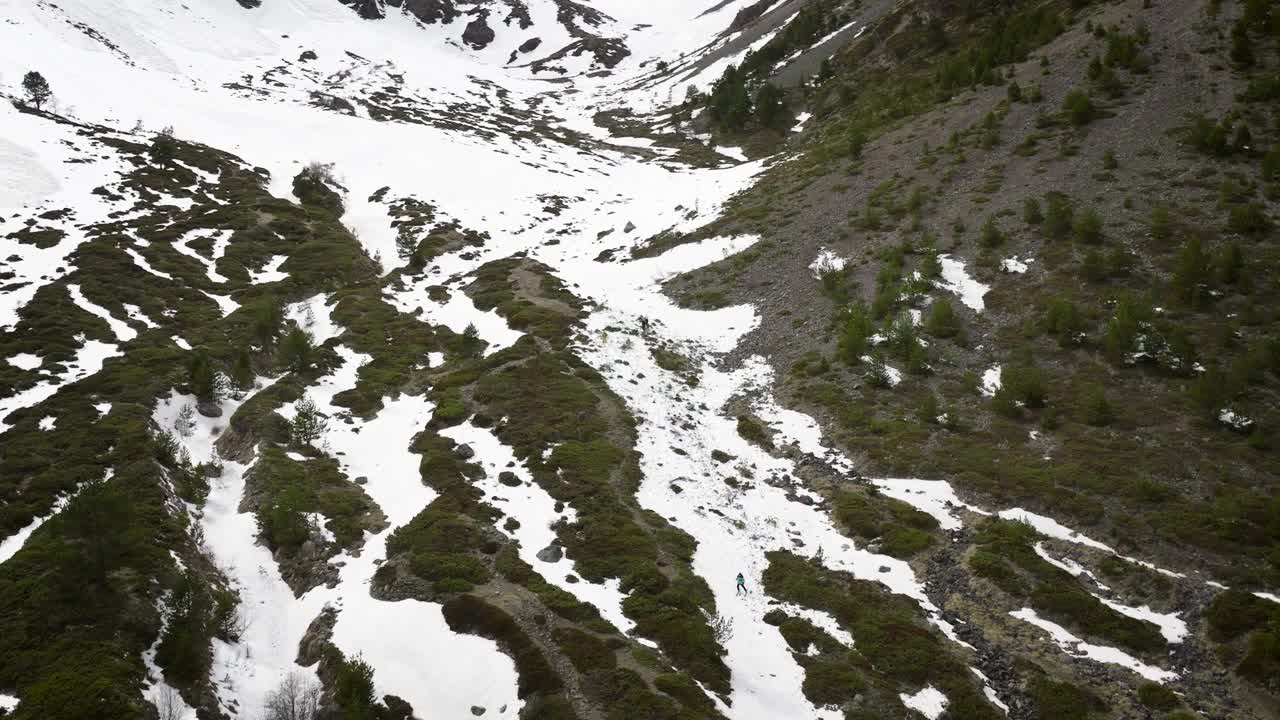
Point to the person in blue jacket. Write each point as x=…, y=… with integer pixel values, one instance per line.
x=742, y=584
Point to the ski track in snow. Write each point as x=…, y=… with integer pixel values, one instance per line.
x=490, y=184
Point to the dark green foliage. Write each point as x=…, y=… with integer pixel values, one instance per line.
x=769, y=109
x=1097, y=411
x=1087, y=226
x=1211, y=137
x=1248, y=219
x=36, y=89
x=751, y=429
x=991, y=236
x=1157, y=697
x=1192, y=275
x=1161, y=222
x=729, y=103
x=1056, y=700
x=1079, y=107
x=901, y=529
x=313, y=187
x=942, y=320
x=1058, y=216
x=856, y=329
x=1234, y=612
x=296, y=351
x=200, y=377
x=586, y=651
x=164, y=147
x=1031, y=213
x=184, y=650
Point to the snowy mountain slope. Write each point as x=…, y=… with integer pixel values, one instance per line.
x=538, y=475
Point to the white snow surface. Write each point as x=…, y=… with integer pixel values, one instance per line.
x=827, y=261
x=25, y=361
x=956, y=279
x=270, y=271
x=991, y=380
x=8, y=702
x=929, y=702
x=1073, y=645
x=1014, y=265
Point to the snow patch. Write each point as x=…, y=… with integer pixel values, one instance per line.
x=25, y=361
x=929, y=702
x=991, y=380
x=825, y=262
x=957, y=280
x=122, y=331
x=1076, y=647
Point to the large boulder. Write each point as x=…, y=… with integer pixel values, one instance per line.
x=478, y=33
x=551, y=553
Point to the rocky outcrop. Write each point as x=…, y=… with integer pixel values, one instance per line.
x=478, y=33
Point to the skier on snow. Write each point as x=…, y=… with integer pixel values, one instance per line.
x=742, y=584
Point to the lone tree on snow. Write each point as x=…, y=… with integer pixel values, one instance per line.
x=36, y=89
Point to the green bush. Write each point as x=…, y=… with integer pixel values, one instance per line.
x=1079, y=107
x=1087, y=227
x=1157, y=697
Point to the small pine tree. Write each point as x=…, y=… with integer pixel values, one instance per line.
x=1031, y=213
x=856, y=330
x=930, y=265
x=201, y=377
x=308, y=422
x=296, y=349
x=942, y=320
x=1058, y=215
x=36, y=88
x=164, y=147
x=1097, y=411
x=1241, y=45
x=266, y=323
x=991, y=235
x=855, y=141
x=1079, y=108
x=770, y=112
x=1109, y=160
x=242, y=370
x=1161, y=222
x=1015, y=91
x=927, y=412
x=1094, y=266
x=1087, y=226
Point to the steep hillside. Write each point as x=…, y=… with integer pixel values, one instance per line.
x=782, y=359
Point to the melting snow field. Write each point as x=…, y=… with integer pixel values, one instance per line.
x=490, y=182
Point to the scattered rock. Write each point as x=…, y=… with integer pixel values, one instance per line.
x=362, y=480
x=551, y=553
x=508, y=478
x=209, y=409
x=629, y=227
x=465, y=452
x=477, y=710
